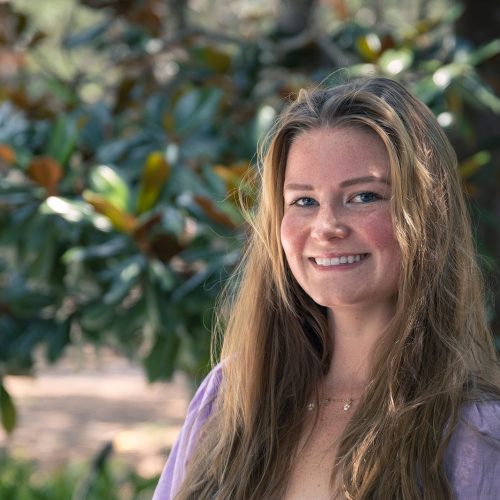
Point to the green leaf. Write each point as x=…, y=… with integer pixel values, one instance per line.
x=196, y=108
x=394, y=61
x=155, y=173
x=153, y=306
x=108, y=182
x=97, y=317
x=124, y=281
x=110, y=248
x=264, y=121
x=213, y=58
x=369, y=46
x=197, y=279
x=58, y=339
x=471, y=165
x=62, y=139
x=7, y=409
x=159, y=272
x=75, y=212
x=119, y=218
x=87, y=36
x=160, y=362
x=484, y=53
x=427, y=90
x=42, y=266
x=453, y=13
x=479, y=94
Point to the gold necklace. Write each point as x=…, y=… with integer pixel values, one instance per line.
x=326, y=401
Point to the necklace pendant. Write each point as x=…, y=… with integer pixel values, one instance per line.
x=347, y=404
x=310, y=407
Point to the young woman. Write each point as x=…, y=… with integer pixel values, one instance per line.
x=357, y=362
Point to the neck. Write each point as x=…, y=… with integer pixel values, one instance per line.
x=357, y=336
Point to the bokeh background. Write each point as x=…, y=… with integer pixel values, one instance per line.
x=125, y=128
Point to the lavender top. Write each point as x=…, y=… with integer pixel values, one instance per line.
x=472, y=460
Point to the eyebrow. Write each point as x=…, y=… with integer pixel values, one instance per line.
x=346, y=183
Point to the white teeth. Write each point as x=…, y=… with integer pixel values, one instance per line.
x=335, y=261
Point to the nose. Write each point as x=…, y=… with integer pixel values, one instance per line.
x=328, y=225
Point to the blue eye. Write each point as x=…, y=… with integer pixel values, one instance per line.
x=305, y=202
x=366, y=197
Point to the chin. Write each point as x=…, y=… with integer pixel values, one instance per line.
x=353, y=301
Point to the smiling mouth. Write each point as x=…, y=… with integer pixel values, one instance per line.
x=339, y=261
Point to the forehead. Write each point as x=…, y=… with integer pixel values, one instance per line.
x=337, y=153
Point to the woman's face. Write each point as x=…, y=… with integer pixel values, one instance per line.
x=336, y=231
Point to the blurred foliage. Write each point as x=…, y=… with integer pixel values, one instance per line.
x=119, y=221
x=102, y=480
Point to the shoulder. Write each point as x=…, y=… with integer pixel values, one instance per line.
x=472, y=458
x=202, y=402
x=198, y=413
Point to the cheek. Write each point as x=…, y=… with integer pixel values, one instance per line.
x=387, y=269
x=380, y=232
x=291, y=238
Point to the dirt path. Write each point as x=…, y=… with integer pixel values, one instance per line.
x=69, y=412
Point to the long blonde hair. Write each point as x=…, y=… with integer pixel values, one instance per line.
x=277, y=348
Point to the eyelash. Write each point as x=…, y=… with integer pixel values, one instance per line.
x=375, y=197
x=299, y=200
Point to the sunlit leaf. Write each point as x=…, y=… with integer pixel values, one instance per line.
x=233, y=177
x=394, y=61
x=108, y=183
x=365, y=69
x=443, y=76
x=7, y=409
x=470, y=166
x=121, y=220
x=484, y=53
x=369, y=46
x=155, y=173
x=213, y=212
x=74, y=211
x=232, y=174
x=215, y=59
x=453, y=12
x=263, y=121
x=46, y=172
x=426, y=89
x=426, y=25
x=479, y=94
